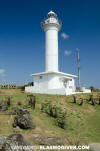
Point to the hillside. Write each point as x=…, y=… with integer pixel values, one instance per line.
x=82, y=122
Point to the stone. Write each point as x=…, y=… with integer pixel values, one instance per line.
x=99, y=101
x=92, y=102
x=8, y=101
x=12, y=141
x=81, y=103
x=55, y=113
x=91, y=98
x=23, y=120
x=21, y=111
x=63, y=121
x=50, y=110
x=42, y=107
x=3, y=106
x=94, y=146
x=41, y=139
x=32, y=101
x=26, y=107
x=80, y=143
x=2, y=140
x=74, y=97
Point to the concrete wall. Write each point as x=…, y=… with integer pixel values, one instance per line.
x=62, y=91
x=51, y=84
x=52, y=81
x=51, y=48
x=46, y=91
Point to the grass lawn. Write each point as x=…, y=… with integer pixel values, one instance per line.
x=83, y=122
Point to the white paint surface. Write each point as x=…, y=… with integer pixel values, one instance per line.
x=51, y=49
x=52, y=81
x=51, y=26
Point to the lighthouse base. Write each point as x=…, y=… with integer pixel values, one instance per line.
x=53, y=83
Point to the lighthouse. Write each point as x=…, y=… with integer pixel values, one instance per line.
x=51, y=26
x=52, y=81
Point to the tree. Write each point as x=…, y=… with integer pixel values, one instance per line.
x=92, y=88
x=30, y=84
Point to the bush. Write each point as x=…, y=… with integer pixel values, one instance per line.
x=55, y=112
x=22, y=87
x=61, y=119
x=19, y=103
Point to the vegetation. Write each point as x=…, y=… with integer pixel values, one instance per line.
x=22, y=87
x=93, y=89
x=82, y=121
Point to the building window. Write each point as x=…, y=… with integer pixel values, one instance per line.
x=40, y=77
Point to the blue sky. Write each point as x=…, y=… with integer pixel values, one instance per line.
x=22, y=42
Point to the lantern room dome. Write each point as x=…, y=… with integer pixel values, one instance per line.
x=51, y=14
x=51, y=20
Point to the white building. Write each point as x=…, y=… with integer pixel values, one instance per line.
x=52, y=81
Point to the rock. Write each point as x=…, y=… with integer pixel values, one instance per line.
x=63, y=125
x=21, y=111
x=8, y=101
x=3, y=106
x=23, y=120
x=2, y=140
x=55, y=113
x=91, y=98
x=18, y=111
x=32, y=101
x=50, y=110
x=80, y=143
x=40, y=139
x=13, y=140
x=94, y=146
x=74, y=97
x=42, y=107
x=92, y=102
x=0, y=105
x=99, y=101
x=26, y=107
x=81, y=103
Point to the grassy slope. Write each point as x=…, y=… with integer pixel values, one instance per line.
x=83, y=122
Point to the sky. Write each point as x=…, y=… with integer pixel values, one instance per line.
x=22, y=41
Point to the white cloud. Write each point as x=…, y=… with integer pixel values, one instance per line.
x=64, y=36
x=2, y=72
x=67, y=52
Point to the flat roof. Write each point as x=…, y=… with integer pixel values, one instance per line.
x=52, y=72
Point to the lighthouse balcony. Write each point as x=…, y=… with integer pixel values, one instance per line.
x=51, y=21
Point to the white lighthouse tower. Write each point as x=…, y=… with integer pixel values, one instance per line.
x=51, y=26
x=52, y=81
